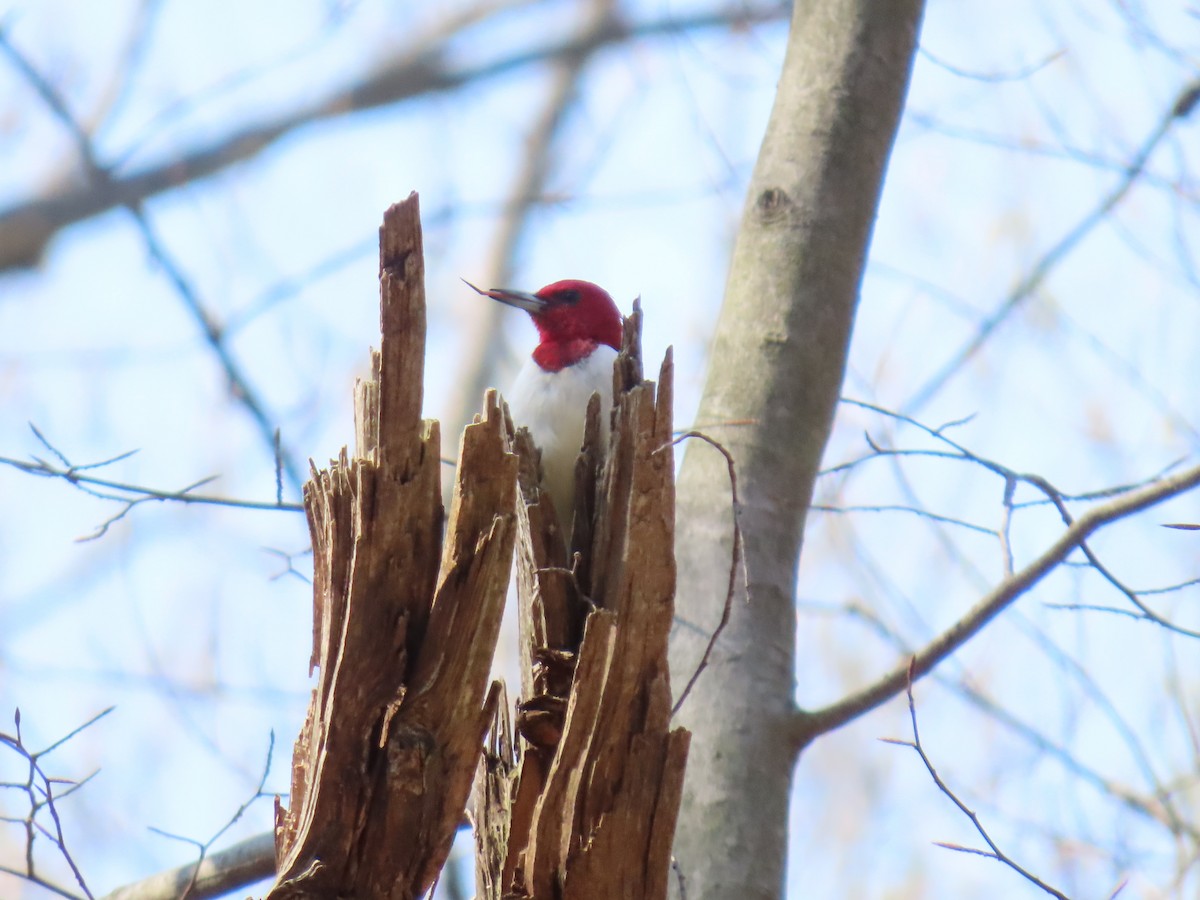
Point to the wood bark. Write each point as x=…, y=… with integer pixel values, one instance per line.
x=404, y=623
x=589, y=808
x=776, y=369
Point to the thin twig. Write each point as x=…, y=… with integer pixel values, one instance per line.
x=205, y=846
x=916, y=511
x=1150, y=807
x=993, y=602
x=1020, y=74
x=27, y=228
x=1112, y=579
x=680, y=882
x=142, y=493
x=572, y=575
x=995, y=852
x=1181, y=107
x=101, y=177
x=289, y=559
x=1051, y=495
x=737, y=560
x=39, y=789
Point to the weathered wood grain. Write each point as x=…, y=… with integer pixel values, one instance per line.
x=404, y=625
x=592, y=805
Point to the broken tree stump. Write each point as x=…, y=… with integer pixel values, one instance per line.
x=404, y=623
x=580, y=800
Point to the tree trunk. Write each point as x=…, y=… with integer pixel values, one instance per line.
x=775, y=375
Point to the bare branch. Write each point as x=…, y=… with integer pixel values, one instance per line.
x=1151, y=808
x=26, y=229
x=1181, y=107
x=190, y=888
x=39, y=790
x=1112, y=579
x=995, y=852
x=1050, y=495
x=135, y=495
x=913, y=510
x=99, y=176
x=220, y=873
x=1020, y=74
x=736, y=562
x=811, y=724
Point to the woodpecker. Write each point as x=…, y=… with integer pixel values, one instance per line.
x=579, y=334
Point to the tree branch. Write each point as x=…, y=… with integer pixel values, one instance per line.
x=810, y=724
x=27, y=228
x=218, y=873
x=39, y=790
x=131, y=495
x=99, y=178
x=995, y=852
x=1181, y=107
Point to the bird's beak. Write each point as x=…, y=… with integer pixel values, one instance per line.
x=531, y=303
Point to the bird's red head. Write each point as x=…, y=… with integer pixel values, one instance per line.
x=572, y=318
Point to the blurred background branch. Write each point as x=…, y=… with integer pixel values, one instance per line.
x=189, y=198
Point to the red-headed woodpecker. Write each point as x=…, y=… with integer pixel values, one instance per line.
x=579, y=334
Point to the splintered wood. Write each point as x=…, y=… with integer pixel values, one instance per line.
x=588, y=809
x=580, y=799
x=404, y=623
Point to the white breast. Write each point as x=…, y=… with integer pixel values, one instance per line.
x=552, y=405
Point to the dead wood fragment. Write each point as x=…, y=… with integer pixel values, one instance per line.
x=592, y=809
x=492, y=800
x=404, y=628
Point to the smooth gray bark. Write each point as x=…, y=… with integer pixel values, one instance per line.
x=777, y=364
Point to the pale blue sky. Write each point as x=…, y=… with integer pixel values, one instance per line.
x=1092, y=383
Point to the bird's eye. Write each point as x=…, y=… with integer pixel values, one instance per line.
x=570, y=297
